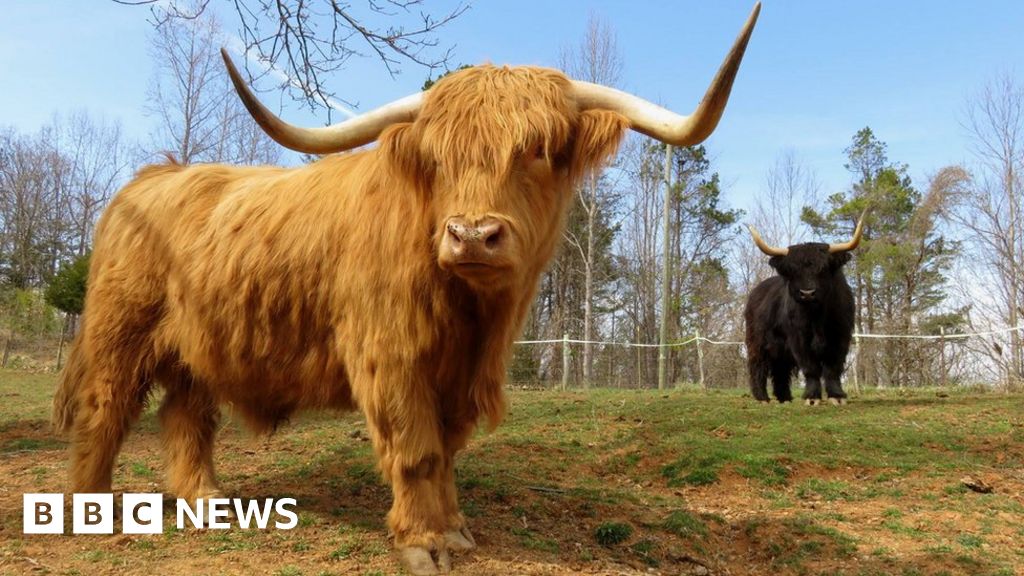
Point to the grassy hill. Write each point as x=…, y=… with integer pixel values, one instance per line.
x=597, y=482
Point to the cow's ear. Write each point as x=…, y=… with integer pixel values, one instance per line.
x=777, y=262
x=402, y=149
x=598, y=135
x=837, y=260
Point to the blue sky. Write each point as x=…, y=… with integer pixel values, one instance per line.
x=815, y=72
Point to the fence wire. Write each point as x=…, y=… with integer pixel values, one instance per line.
x=895, y=360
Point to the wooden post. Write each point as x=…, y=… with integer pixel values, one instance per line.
x=856, y=364
x=63, y=337
x=565, y=361
x=942, y=355
x=700, y=359
x=7, y=350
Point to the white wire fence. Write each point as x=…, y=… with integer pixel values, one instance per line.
x=875, y=360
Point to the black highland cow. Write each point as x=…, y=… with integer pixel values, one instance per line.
x=802, y=318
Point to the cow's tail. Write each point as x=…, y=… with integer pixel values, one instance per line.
x=65, y=401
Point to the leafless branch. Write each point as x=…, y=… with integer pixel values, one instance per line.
x=310, y=39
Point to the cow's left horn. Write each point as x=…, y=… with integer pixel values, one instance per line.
x=346, y=135
x=847, y=246
x=665, y=125
x=769, y=250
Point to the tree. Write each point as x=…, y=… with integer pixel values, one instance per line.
x=309, y=39
x=701, y=231
x=990, y=212
x=199, y=117
x=30, y=195
x=900, y=269
x=589, y=235
x=788, y=187
x=701, y=227
x=66, y=293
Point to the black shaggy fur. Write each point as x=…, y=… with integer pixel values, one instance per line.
x=802, y=318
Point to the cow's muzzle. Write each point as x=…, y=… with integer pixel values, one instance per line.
x=475, y=247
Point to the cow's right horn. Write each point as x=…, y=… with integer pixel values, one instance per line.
x=769, y=250
x=346, y=135
x=847, y=246
x=664, y=125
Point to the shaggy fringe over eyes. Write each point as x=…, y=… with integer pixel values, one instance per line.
x=512, y=111
x=597, y=138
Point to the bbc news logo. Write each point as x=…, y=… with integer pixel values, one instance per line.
x=144, y=513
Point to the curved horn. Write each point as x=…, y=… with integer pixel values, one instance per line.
x=857, y=233
x=665, y=125
x=346, y=135
x=769, y=250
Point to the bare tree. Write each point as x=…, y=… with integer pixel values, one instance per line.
x=98, y=161
x=596, y=60
x=788, y=187
x=990, y=211
x=186, y=95
x=199, y=117
x=27, y=191
x=639, y=251
x=309, y=39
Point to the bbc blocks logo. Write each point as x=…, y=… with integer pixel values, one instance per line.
x=144, y=514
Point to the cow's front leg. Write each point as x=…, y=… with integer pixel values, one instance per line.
x=457, y=535
x=833, y=386
x=812, y=384
x=408, y=440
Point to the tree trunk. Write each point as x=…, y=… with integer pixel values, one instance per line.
x=588, y=284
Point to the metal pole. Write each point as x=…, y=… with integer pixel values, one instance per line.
x=565, y=361
x=665, y=268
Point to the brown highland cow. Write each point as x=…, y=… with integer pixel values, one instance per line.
x=391, y=280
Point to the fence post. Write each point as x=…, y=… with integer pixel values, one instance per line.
x=565, y=361
x=856, y=364
x=942, y=355
x=700, y=358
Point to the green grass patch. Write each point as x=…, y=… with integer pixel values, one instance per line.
x=685, y=524
x=612, y=533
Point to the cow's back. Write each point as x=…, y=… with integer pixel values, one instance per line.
x=241, y=275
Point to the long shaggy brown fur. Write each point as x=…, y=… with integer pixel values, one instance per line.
x=278, y=289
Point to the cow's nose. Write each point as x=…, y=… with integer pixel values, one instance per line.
x=478, y=240
x=807, y=293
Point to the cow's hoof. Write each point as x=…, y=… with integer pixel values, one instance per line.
x=459, y=540
x=423, y=562
x=837, y=401
x=812, y=402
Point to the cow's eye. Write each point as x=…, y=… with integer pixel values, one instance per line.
x=537, y=153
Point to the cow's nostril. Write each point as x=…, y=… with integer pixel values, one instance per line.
x=493, y=238
x=455, y=232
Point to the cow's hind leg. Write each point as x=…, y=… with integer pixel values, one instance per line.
x=782, y=373
x=758, y=369
x=108, y=404
x=115, y=382
x=189, y=417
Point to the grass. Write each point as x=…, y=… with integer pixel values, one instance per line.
x=612, y=533
x=584, y=479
